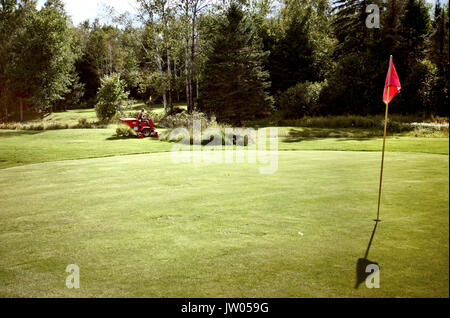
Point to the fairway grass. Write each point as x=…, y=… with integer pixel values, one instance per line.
x=19, y=147
x=142, y=226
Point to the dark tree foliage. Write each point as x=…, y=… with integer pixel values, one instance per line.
x=414, y=27
x=234, y=83
x=362, y=55
x=439, y=55
x=349, y=23
x=292, y=58
x=355, y=82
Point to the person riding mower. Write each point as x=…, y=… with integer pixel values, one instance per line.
x=143, y=127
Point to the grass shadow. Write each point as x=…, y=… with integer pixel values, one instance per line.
x=362, y=263
x=120, y=137
x=308, y=133
x=16, y=133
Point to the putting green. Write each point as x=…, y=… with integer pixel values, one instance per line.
x=142, y=226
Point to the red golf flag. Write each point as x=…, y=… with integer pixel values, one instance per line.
x=393, y=82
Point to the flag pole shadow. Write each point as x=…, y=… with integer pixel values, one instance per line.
x=362, y=263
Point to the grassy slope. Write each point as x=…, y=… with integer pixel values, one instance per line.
x=225, y=230
x=25, y=147
x=71, y=116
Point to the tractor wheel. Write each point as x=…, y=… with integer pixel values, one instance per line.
x=146, y=132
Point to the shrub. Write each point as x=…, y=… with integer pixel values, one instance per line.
x=300, y=100
x=55, y=125
x=109, y=97
x=124, y=131
x=243, y=139
x=83, y=123
x=186, y=120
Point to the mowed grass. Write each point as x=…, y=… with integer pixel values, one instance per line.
x=25, y=147
x=142, y=226
x=70, y=116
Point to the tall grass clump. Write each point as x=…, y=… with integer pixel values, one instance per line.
x=46, y=125
x=185, y=120
x=124, y=131
x=155, y=117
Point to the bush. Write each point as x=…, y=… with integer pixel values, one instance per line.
x=186, y=120
x=55, y=125
x=124, y=131
x=300, y=100
x=239, y=138
x=109, y=97
x=83, y=123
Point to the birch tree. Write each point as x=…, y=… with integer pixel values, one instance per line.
x=192, y=9
x=154, y=13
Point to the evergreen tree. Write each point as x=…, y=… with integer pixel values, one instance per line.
x=292, y=58
x=234, y=83
x=350, y=25
x=438, y=54
x=300, y=44
x=415, y=26
x=353, y=83
x=390, y=35
x=415, y=70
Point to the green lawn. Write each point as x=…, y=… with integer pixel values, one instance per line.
x=25, y=147
x=70, y=116
x=141, y=226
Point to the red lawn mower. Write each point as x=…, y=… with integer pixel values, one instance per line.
x=145, y=129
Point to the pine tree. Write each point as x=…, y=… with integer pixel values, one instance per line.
x=439, y=56
x=437, y=39
x=234, y=82
x=353, y=81
x=415, y=26
x=349, y=25
x=292, y=59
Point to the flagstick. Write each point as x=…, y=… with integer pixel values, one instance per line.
x=384, y=141
x=382, y=159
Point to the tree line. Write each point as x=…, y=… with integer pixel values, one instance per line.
x=234, y=59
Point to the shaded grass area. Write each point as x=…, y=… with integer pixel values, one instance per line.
x=142, y=226
x=24, y=147
x=70, y=116
x=346, y=121
x=425, y=145
x=300, y=133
